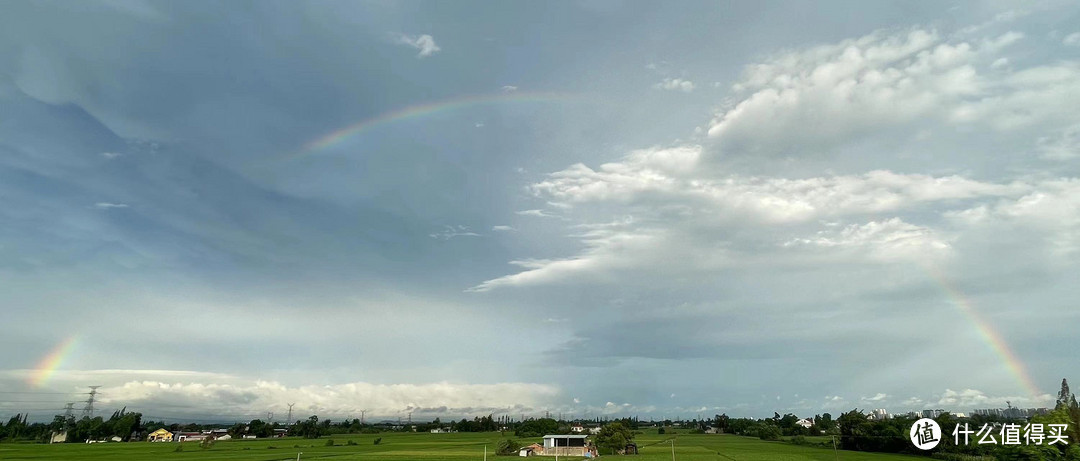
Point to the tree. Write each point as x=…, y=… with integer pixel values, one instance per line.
x=722, y=422
x=260, y=429
x=537, y=427
x=1065, y=397
x=854, y=427
x=506, y=447
x=613, y=438
x=768, y=431
x=309, y=429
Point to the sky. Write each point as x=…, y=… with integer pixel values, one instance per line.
x=589, y=208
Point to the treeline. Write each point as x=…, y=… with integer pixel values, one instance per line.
x=773, y=428
x=859, y=433
x=121, y=424
x=538, y=427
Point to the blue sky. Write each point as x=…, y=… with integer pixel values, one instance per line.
x=658, y=210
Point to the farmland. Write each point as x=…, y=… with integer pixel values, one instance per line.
x=423, y=446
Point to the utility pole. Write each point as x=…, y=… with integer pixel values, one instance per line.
x=362, y=416
x=290, y=421
x=673, y=449
x=835, y=453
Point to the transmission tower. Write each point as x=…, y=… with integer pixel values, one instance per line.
x=88, y=410
x=69, y=413
x=290, y=421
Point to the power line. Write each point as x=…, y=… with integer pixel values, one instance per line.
x=37, y=392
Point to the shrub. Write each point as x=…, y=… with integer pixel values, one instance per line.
x=799, y=440
x=506, y=447
x=350, y=442
x=329, y=442
x=378, y=440
x=768, y=432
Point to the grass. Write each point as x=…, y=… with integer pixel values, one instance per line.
x=435, y=447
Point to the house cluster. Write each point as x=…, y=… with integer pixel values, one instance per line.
x=561, y=445
x=164, y=435
x=579, y=429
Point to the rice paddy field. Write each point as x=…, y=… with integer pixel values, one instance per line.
x=425, y=446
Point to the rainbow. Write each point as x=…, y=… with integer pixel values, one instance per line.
x=989, y=334
x=51, y=362
x=419, y=111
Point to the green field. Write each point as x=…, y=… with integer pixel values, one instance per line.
x=400, y=447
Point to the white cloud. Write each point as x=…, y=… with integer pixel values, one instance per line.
x=502, y=229
x=889, y=85
x=1072, y=39
x=1051, y=212
x=424, y=43
x=1063, y=146
x=449, y=232
x=108, y=205
x=675, y=84
x=674, y=207
x=972, y=398
x=876, y=398
x=535, y=213
x=888, y=240
x=332, y=400
x=509, y=88
x=111, y=155
x=665, y=174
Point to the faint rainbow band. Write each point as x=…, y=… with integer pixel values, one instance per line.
x=48, y=365
x=422, y=110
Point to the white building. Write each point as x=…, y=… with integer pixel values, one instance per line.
x=565, y=445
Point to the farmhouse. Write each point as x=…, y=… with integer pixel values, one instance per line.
x=534, y=449
x=160, y=435
x=565, y=445
x=191, y=437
